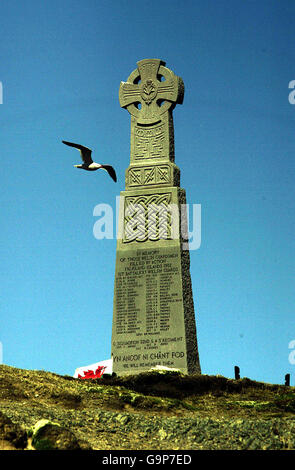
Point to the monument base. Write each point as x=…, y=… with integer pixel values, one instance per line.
x=154, y=322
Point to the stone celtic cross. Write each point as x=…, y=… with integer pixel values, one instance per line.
x=150, y=94
x=154, y=321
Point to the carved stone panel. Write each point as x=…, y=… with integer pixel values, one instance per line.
x=149, y=175
x=151, y=314
x=149, y=142
x=147, y=217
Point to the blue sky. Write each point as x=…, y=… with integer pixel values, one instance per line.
x=61, y=67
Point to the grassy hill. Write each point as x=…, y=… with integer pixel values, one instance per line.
x=149, y=411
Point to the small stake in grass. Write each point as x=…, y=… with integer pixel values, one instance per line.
x=287, y=380
x=237, y=372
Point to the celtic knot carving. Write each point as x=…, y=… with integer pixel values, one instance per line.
x=147, y=217
x=149, y=175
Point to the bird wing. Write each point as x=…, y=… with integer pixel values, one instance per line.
x=84, y=151
x=110, y=171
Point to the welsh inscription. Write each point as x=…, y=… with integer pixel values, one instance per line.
x=149, y=175
x=151, y=276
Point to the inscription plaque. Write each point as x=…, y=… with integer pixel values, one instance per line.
x=148, y=309
x=153, y=319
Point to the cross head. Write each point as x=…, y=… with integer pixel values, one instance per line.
x=150, y=91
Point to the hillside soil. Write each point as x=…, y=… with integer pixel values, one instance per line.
x=149, y=411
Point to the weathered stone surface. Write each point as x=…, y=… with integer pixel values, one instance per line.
x=154, y=319
x=48, y=435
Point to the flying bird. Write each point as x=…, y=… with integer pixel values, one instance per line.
x=88, y=163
